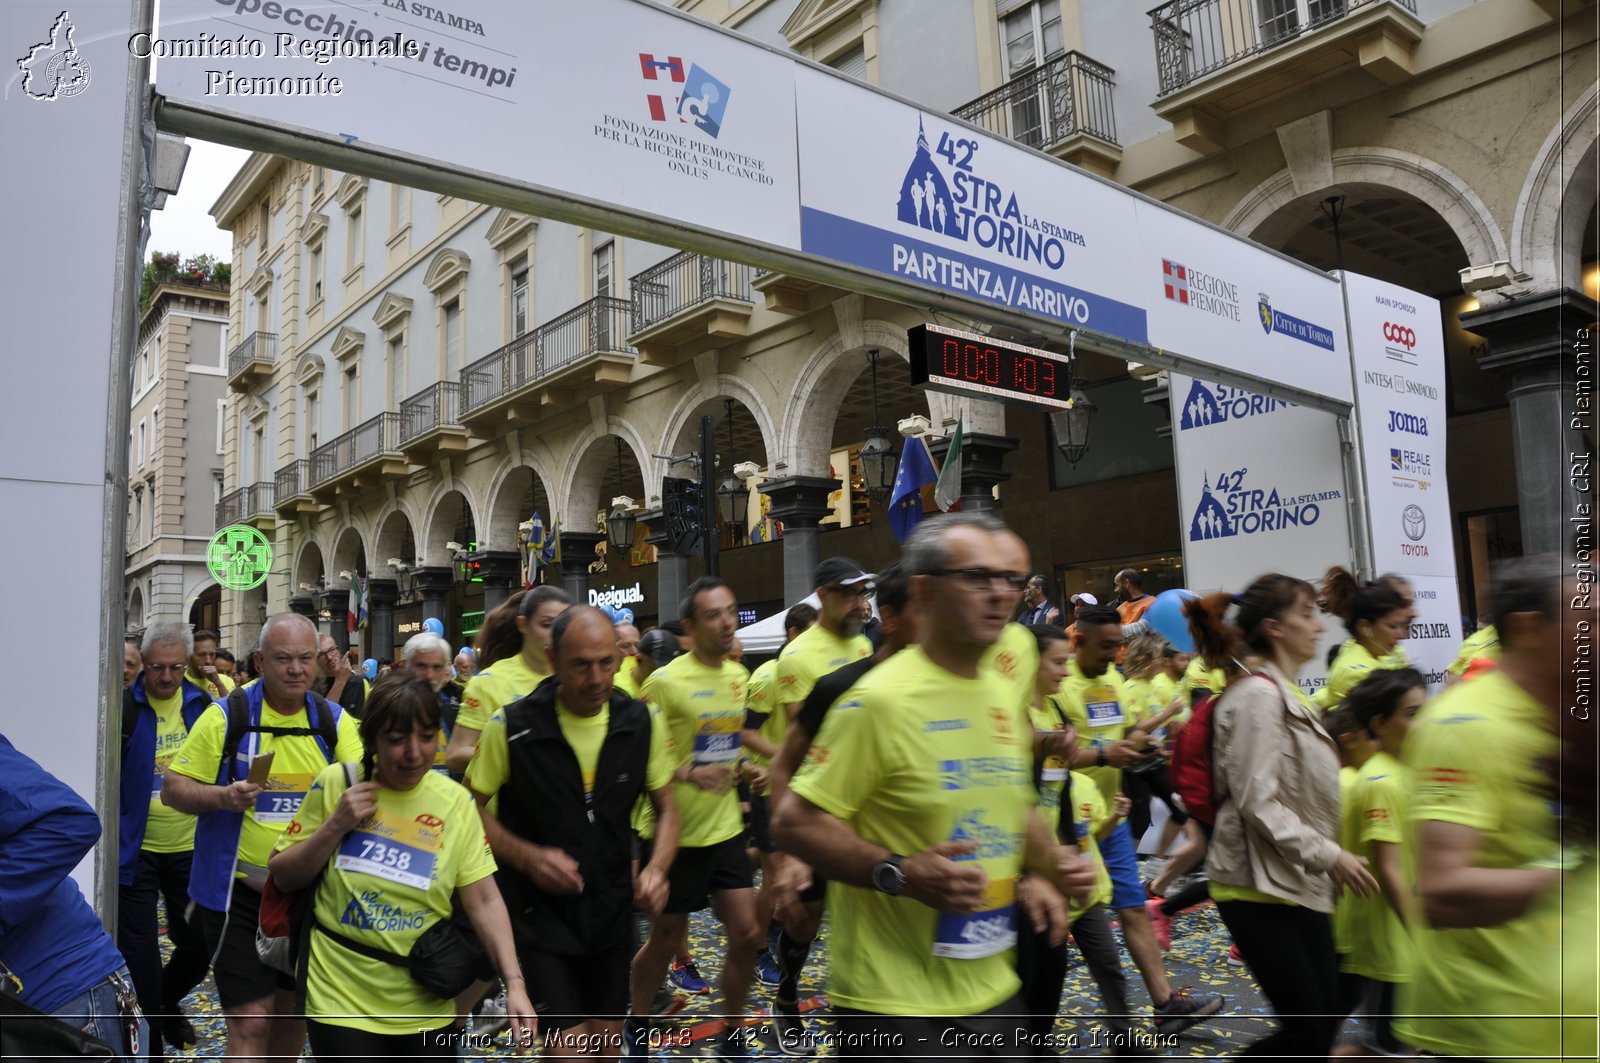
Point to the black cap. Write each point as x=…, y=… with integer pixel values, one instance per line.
x=660, y=646
x=840, y=570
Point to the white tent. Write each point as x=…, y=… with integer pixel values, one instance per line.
x=765, y=636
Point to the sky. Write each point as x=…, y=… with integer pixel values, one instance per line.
x=184, y=225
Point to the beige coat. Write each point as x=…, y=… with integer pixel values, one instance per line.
x=1276, y=777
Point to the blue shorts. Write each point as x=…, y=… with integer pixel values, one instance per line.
x=1123, y=863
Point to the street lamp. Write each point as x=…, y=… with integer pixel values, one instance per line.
x=619, y=528
x=1072, y=424
x=878, y=459
x=732, y=496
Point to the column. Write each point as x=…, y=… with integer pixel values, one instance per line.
x=434, y=583
x=577, y=554
x=381, y=596
x=500, y=570
x=800, y=502
x=305, y=605
x=336, y=601
x=981, y=458
x=672, y=570
x=1535, y=342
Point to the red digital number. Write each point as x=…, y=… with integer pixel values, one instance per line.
x=1047, y=376
x=1025, y=374
x=952, y=358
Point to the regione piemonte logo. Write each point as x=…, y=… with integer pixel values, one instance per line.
x=1175, y=281
x=702, y=100
x=54, y=69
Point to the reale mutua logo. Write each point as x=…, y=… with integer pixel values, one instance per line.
x=54, y=69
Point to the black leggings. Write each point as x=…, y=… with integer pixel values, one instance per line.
x=1290, y=952
x=361, y=1046
x=1141, y=786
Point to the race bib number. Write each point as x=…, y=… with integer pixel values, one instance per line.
x=388, y=847
x=160, y=777
x=438, y=754
x=1105, y=713
x=990, y=929
x=716, y=740
x=280, y=798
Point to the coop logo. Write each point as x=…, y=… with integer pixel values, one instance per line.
x=1235, y=506
x=1414, y=522
x=1400, y=385
x=1202, y=291
x=1288, y=325
x=1414, y=462
x=1399, y=343
x=701, y=101
x=54, y=69
x=1408, y=423
x=1210, y=404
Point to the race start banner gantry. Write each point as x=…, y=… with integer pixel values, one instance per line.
x=656, y=124
x=1398, y=354
x=1261, y=488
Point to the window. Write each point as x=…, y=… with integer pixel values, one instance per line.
x=352, y=407
x=355, y=240
x=142, y=375
x=852, y=63
x=399, y=207
x=216, y=489
x=222, y=420
x=138, y=516
x=151, y=509
x=452, y=337
x=318, y=178
x=155, y=428
x=313, y=416
x=397, y=371
x=142, y=442
x=1032, y=34
x=315, y=253
x=264, y=226
x=258, y=444
x=261, y=318
x=604, y=259
x=222, y=346
x=519, y=302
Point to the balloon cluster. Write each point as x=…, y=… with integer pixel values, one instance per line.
x=618, y=616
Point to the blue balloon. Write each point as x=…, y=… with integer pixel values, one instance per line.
x=1167, y=619
x=370, y=666
x=624, y=616
x=433, y=625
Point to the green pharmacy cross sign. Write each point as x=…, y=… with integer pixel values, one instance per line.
x=239, y=557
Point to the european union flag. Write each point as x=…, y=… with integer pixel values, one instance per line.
x=915, y=473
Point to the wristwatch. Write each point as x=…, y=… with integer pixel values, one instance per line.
x=887, y=876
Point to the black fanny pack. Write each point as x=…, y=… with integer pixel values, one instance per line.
x=446, y=960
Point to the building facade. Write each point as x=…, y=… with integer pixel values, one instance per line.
x=416, y=376
x=175, y=456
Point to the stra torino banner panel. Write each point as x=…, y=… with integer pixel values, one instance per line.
x=1260, y=489
x=612, y=101
x=1398, y=353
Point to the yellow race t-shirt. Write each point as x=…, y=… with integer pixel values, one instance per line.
x=1014, y=659
x=585, y=734
x=1089, y=813
x=1480, y=755
x=1101, y=710
x=704, y=711
x=1484, y=642
x=1374, y=813
x=627, y=677
x=1351, y=665
x=1050, y=719
x=493, y=688
x=911, y=756
x=812, y=654
x=297, y=761
x=1198, y=675
x=491, y=767
x=760, y=698
x=167, y=830
x=1349, y=832
x=1580, y=989
x=389, y=881
x=218, y=690
x=663, y=762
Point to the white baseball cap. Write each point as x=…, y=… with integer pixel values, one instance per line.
x=1084, y=598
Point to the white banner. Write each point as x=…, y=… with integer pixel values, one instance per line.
x=1400, y=405
x=612, y=101
x=1260, y=489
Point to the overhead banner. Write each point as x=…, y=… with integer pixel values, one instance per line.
x=607, y=100
x=1260, y=489
x=1400, y=406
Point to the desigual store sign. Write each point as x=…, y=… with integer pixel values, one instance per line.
x=632, y=597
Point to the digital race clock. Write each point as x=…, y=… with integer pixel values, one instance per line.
x=965, y=363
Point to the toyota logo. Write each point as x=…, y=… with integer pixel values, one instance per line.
x=1414, y=522
x=1399, y=335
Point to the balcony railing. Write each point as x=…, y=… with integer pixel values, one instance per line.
x=496, y=375
x=1045, y=105
x=599, y=326
x=685, y=281
x=361, y=444
x=1195, y=38
x=257, y=347
x=245, y=503
x=436, y=406
x=291, y=480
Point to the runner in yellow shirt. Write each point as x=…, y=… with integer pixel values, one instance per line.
x=203, y=666
x=1482, y=644
x=1378, y=617
x=394, y=850
x=627, y=668
x=509, y=678
x=1481, y=757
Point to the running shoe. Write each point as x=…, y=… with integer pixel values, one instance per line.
x=793, y=1037
x=1235, y=957
x=1162, y=923
x=635, y=1041
x=179, y=1031
x=687, y=978
x=1183, y=1011
x=767, y=972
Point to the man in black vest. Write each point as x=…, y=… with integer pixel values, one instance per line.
x=569, y=762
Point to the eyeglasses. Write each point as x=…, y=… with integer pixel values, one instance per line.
x=981, y=579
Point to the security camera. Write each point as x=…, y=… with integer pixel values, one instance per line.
x=397, y=564
x=454, y=547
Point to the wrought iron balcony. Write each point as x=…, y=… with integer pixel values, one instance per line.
x=495, y=376
x=684, y=282
x=247, y=503
x=431, y=419
x=597, y=327
x=367, y=444
x=291, y=485
x=1048, y=105
x=252, y=359
x=1197, y=38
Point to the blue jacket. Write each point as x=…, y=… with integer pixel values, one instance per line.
x=50, y=938
x=139, y=770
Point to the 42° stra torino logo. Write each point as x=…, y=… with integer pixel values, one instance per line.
x=54, y=69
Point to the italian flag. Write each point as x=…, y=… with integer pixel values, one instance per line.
x=947, y=492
